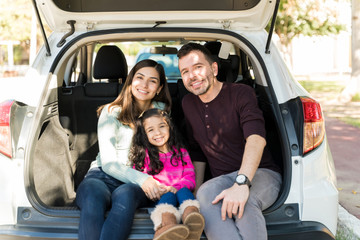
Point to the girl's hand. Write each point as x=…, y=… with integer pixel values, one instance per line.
x=172, y=189
x=152, y=188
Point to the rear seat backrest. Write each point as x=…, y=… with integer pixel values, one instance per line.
x=79, y=104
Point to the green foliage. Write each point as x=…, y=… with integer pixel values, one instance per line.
x=353, y=122
x=306, y=17
x=356, y=98
x=327, y=87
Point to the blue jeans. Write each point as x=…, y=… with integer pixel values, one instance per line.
x=177, y=198
x=99, y=193
x=251, y=226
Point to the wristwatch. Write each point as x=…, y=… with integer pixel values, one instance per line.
x=241, y=179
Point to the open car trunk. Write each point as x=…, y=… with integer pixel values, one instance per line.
x=65, y=142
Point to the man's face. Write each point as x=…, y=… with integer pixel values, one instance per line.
x=197, y=73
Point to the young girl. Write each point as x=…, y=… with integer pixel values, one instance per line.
x=111, y=184
x=158, y=151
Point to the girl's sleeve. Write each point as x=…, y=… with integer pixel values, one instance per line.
x=114, y=145
x=188, y=176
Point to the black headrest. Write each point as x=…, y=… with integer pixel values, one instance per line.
x=110, y=63
x=228, y=68
x=213, y=47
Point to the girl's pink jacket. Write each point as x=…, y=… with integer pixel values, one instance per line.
x=176, y=176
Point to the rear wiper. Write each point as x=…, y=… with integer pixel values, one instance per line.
x=157, y=23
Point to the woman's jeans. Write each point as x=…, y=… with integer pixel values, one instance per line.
x=99, y=193
x=177, y=198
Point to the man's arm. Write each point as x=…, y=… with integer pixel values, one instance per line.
x=235, y=197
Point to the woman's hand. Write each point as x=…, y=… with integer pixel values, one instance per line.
x=153, y=189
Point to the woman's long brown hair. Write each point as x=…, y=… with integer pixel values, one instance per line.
x=129, y=109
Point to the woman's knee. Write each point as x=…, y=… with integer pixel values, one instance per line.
x=94, y=192
x=127, y=194
x=125, y=200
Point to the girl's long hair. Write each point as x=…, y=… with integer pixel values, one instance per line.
x=140, y=144
x=129, y=109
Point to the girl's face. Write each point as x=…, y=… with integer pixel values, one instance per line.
x=157, y=131
x=145, y=84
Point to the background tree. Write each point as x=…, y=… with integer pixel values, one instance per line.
x=307, y=18
x=15, y=19
x=15, y=25
x=352, y=90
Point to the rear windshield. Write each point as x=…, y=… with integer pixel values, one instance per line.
x=159, y=5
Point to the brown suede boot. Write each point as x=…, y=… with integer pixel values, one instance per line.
x=192, y=218
x=166, y=220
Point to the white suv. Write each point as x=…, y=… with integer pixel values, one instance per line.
x=47, y=141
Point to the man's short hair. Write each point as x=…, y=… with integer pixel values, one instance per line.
x=189, y=47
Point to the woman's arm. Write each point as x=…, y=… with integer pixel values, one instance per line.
x=114, y=144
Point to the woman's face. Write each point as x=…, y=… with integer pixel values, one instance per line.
x=157, y=131
x=145, y=85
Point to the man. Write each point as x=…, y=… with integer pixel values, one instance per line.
x=226, y=122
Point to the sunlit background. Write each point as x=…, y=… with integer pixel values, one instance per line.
x=307, y=55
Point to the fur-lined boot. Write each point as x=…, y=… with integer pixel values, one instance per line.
x=166, y=219
x=191, y=217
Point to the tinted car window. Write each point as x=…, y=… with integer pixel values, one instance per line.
x=169, y=62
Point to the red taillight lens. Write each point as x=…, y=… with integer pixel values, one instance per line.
x=5, y=134
x=314, y=127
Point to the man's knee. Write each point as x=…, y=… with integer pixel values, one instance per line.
x=206, y=193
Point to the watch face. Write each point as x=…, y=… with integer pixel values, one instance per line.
x=240, y=179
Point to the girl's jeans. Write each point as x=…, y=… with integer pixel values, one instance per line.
x=177, y=198
x=99, y=193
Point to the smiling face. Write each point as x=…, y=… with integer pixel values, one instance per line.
x=197, y=73
x=145, y=84
x=157, y=131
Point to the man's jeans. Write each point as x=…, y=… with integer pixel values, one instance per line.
x=263, y=193
x=97, y=194
x=177, y=198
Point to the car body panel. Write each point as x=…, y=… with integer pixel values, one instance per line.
x=319, y=181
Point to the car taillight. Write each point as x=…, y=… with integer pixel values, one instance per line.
x=314, y=127
x=5, y=134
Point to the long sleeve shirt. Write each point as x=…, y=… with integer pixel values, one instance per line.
x=221, y=126
x=114, y=145
x=176, y=176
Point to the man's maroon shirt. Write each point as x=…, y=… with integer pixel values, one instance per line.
x=220, y=128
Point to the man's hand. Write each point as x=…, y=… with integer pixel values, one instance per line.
x=234, y=200
x=153, y=189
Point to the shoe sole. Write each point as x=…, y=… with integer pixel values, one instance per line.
x=196, y=223
x=179, y=232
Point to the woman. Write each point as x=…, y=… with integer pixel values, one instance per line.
x=111, y=183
